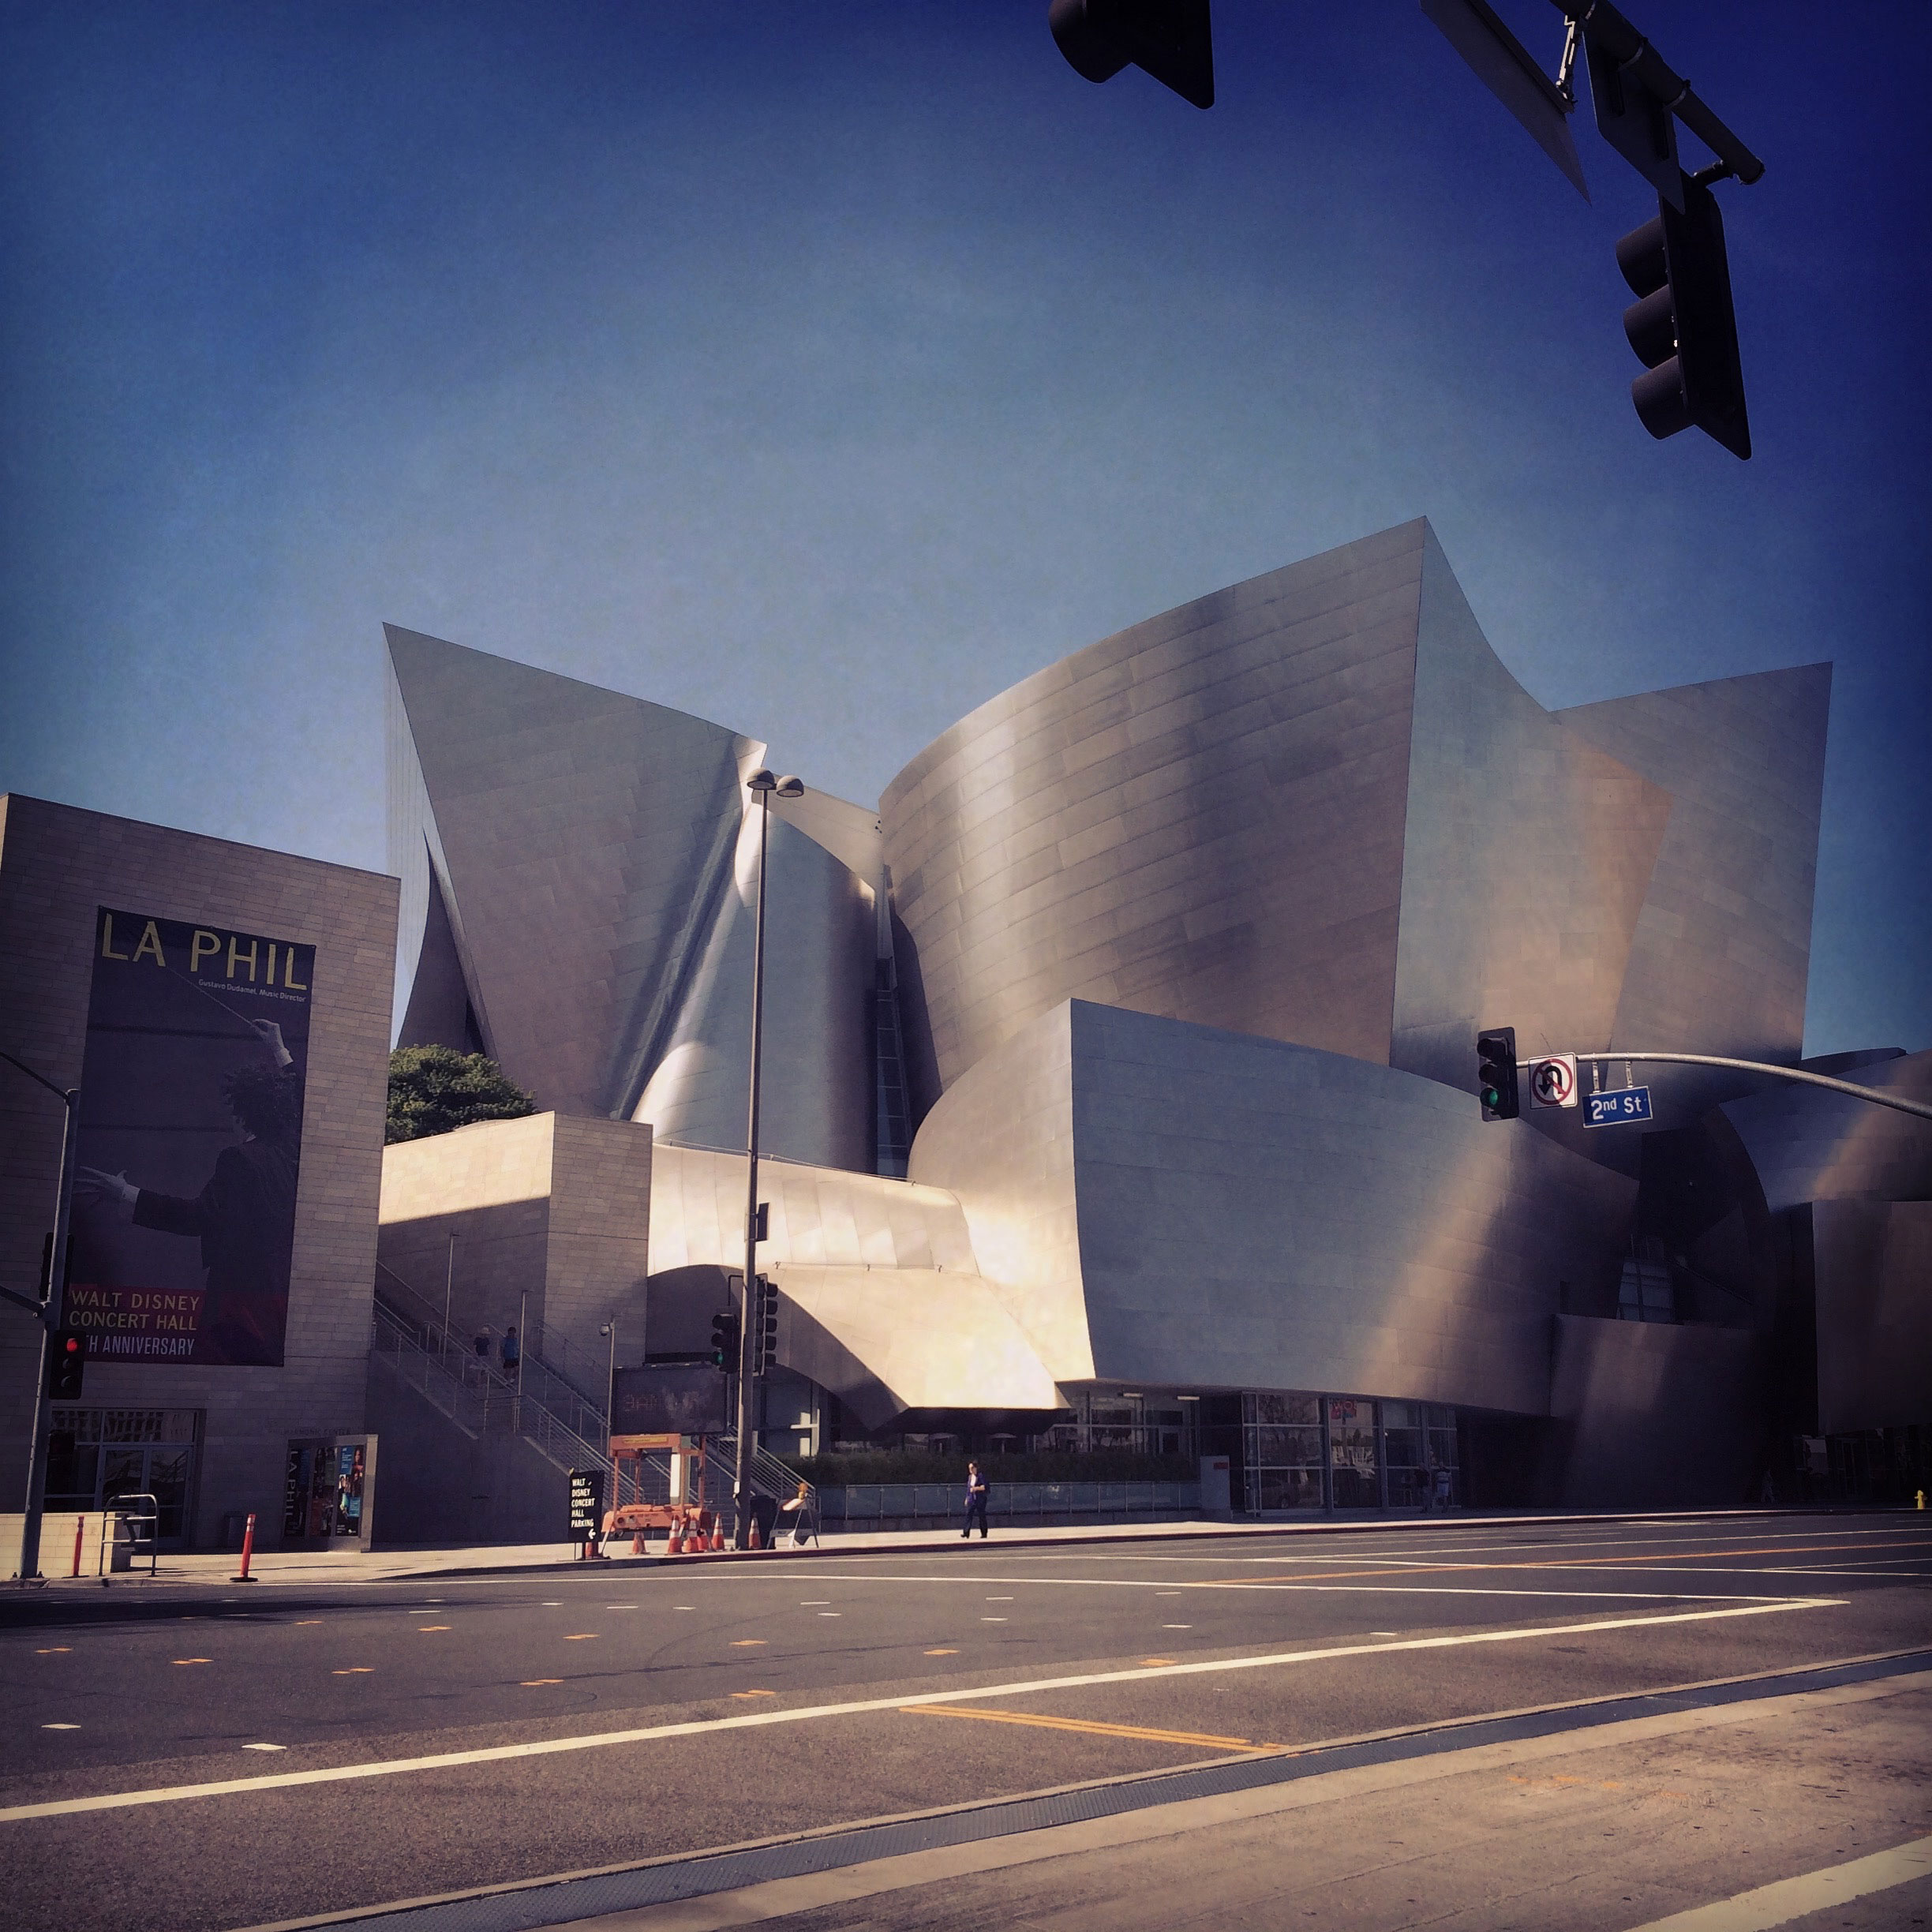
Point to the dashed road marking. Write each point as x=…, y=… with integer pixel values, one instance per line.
x=746, y=1643
x=355, y=1670
x=60, y=1727
x=754, y=1693
x=426, y=1628
x=54, y=1650
x=527, y=1683
x=194, y=1660
x=942, y=1654
x=809, y=1713
x=264, y=1747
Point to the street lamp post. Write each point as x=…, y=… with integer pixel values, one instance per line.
x=49, y=1315
x=764, y=784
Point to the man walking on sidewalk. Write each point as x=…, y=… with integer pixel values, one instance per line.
x=976, y=1502
x=976, y=1494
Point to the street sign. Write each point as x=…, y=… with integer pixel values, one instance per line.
x=586, y=1502
x=1553, y=1080
x=1614, y=1108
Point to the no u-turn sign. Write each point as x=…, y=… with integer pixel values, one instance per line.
x=1553, y=1080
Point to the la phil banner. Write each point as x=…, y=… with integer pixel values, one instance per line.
x=190, y=1142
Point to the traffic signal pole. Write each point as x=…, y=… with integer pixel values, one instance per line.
x=741, y=1482
x=49, y=1316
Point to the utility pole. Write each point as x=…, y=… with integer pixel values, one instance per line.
x=48, y=1314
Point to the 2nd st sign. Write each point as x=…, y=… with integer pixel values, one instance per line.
x=1620, y=1104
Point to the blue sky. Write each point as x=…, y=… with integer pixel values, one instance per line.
x=823, y=370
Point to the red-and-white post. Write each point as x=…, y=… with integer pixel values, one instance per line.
x=247, y=1550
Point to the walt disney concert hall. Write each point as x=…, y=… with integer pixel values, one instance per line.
x=1119, y=1072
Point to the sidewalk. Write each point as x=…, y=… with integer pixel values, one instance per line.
x=308, y=1568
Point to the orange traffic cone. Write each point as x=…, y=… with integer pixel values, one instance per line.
x=717, y=1534
x=751, y=1542
x=675, y=1546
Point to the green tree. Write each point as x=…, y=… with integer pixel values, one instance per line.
x=434, y=1089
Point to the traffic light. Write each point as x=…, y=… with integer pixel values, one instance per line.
x=725, y=1333
x=66, y=1362
x=1170, y=40
x=765, y=1328
x=1683, y=326
x=1496, y=1072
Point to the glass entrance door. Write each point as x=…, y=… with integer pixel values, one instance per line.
x=98, y=1455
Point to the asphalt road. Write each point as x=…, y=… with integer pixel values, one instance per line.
x=567, y=1722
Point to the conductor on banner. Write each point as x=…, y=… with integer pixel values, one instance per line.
x=975, y=1501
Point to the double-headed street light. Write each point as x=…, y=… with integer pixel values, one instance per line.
x=764, y=784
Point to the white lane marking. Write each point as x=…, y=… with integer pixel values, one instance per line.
x=1797, y=1898
x=1286, y=1586
x=545, y=1748
x=60, y=1727
x=264, y=1747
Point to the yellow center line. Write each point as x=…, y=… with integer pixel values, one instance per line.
x=194, y=1660
x=1197, y=1737
x=754, y=1693
x=528, y=1683
x=582, y=1637
x=425, y=1628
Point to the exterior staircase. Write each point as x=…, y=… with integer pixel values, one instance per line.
x=541, y=1405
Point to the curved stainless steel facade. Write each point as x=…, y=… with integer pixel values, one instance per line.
x=1210, y=1210
x=1316, y=807
x=576, y=883
x=1192, y=933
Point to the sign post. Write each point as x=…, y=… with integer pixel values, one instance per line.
x=586, y=1510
